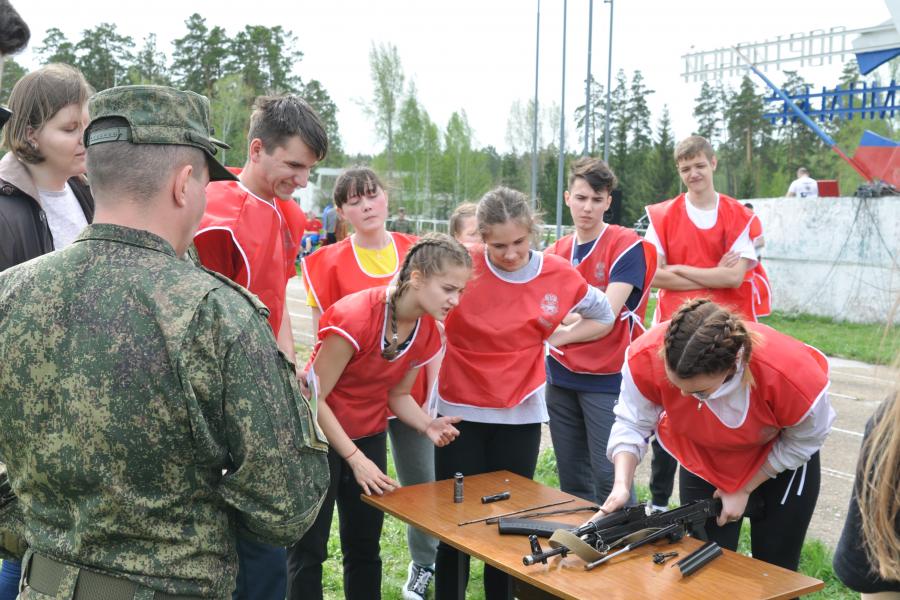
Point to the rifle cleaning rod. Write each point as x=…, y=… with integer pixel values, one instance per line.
x=516, y=512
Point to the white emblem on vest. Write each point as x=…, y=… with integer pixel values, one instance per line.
x=550, y=304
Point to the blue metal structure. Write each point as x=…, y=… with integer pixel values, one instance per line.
x=868, y=101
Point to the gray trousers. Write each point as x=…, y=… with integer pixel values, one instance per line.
x=414, y=459
x=579, y=427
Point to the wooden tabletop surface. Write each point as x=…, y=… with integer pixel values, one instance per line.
x=430, y=507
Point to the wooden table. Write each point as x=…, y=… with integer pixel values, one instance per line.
x=430, y=507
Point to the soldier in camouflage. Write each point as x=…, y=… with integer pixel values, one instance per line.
x=147, y=417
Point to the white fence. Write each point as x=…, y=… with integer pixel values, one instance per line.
x=834, y=257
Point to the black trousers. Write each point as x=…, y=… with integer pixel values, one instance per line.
x=779, y=511
x=662, y=475
x=482, y=448
x=360, y=531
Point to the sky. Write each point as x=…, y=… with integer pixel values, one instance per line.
x=479, y=55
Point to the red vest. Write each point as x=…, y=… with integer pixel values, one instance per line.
x=606, y=355
x=788, y=377
x=359, y=398
x=333, y=271
x=758, y=279
x=251, y=241
x=495, y=337
x=686, y=244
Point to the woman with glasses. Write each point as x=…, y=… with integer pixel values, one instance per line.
x=743, y=409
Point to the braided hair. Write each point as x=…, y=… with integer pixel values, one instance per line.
x=430, y=256
x=705, y=339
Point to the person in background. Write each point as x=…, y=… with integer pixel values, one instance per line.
x=251, y=233
x=311, y=234
x=371, y=346
x=329, y=224
x=45, y=200
x=401, y=224
x=493, y=374
x=583, y=380
x=804, y=186
x=743, y=408
x=371, y=257
x=704, y=250
x=464, y=224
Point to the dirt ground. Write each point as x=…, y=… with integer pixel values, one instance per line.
x=856, y=389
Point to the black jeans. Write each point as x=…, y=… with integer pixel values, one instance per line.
x=482, y=448
x=777, y=529
x=360, y=531
x=662, y=475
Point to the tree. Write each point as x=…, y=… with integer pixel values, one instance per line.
x=639, y=128
x=620, y=124
x=747, y=132
x=387, y=81
x=198, y=60
x=104, y=56
x=708, y=112
x=265, y=57
x=410, y=142
x=458, y=145
x=230, y=117
x=597, y=115
x=664, y=178
x=56, y=48
x=317, y=96
x=10, y=73
x=150, y=65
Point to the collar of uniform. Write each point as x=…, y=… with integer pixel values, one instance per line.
x=126, y=235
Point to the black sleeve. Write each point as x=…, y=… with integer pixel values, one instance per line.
x=851, y=564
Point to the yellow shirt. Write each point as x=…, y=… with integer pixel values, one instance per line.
x=377, y=262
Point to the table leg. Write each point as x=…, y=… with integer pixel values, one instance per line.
x=462, y=567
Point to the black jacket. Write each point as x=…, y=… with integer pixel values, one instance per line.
x=24, y=232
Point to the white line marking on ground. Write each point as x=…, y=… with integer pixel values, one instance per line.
x=838, y=474
x=866, y=377
x=847, y=431
x=299, y=315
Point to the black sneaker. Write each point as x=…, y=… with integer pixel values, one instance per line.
x=417, y=581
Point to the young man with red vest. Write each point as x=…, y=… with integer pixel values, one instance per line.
x=705, y=251
x=583, y=379
x=251, y=233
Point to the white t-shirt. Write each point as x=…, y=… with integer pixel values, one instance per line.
x=64, y=215
x=804, y=187
x=706, y=219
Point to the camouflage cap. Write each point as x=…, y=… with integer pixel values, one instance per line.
x=156, y=115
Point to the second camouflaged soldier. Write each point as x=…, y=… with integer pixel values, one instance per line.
x=132, y=380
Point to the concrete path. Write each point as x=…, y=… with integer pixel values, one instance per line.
x=856, y=389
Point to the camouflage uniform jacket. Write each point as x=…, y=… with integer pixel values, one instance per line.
x=130, y=382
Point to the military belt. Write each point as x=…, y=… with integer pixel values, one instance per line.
x=44, y=575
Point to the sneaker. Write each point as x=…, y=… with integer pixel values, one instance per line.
x=417, y=581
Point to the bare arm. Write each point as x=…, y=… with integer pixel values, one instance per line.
x=715, y=277
x=665, y=279
x=332, y=358
x=316, y=315
x=285, y=337
x=440, y=431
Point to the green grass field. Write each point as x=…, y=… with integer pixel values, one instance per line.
x=868, y=342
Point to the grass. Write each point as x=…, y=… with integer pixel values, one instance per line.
x=868, y=342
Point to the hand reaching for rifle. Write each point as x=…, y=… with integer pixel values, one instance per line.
x=441, y=430
x=733, y=506
x=618, y=497
x=369, y=476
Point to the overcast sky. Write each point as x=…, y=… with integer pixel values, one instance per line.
x=479, y=55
